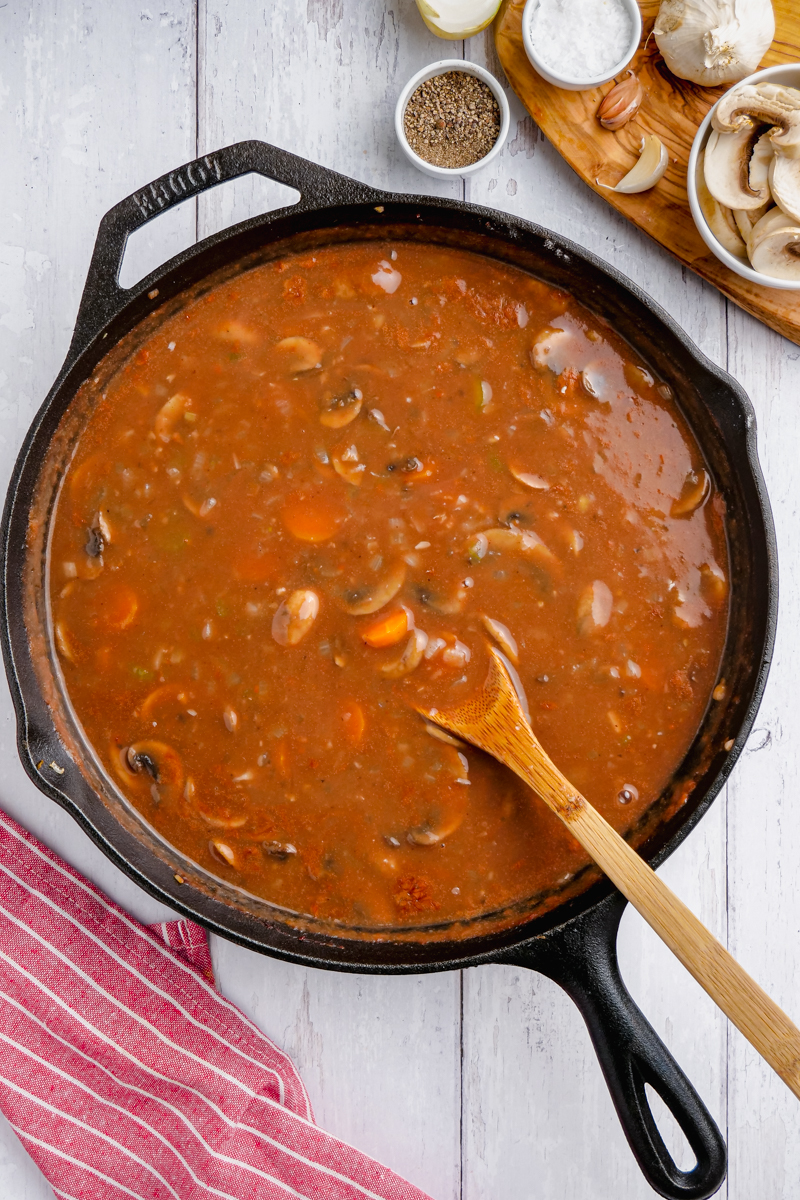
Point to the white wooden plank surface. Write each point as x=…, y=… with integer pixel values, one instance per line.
x=763, y=824
x=472, y=1087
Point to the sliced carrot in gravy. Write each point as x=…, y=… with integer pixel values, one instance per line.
x=178, y=695
x=314, y=517
x=354, y=721
x=388, y=631
x=118, y=606
x=254, y=568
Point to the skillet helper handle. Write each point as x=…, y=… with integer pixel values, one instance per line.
x=102, y=296
x=582, y=958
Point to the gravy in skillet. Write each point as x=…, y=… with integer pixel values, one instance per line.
x=308, y=502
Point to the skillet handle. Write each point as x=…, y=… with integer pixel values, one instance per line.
x=582, y=958
x=102, y=296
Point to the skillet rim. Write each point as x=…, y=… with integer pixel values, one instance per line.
x=277, y=938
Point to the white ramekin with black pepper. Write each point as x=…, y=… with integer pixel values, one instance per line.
x=441, y=68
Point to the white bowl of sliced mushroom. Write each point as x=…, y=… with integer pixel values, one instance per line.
x=744, y=178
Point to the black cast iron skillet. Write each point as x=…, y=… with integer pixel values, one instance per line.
x=570, y=937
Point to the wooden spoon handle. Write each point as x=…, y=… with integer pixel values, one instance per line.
x=751, y=1010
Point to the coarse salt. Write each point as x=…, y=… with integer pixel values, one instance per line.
x=580, y=39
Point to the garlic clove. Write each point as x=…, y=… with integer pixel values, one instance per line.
x=721, y=220
x=727, y=167
x=714, y=41
x=653, y=162
x=621, y=103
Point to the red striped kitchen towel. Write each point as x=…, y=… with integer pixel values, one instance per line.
x=125, y=1073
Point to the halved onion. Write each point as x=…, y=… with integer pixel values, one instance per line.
x=455, y=19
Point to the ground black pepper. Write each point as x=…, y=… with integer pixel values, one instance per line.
x=452, y=120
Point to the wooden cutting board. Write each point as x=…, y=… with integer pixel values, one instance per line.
x=672, y=108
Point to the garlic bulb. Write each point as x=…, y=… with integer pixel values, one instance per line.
x=714, y=41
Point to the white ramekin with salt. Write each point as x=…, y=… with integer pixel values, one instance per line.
x=578, y=44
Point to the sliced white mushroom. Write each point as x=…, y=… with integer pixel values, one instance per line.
x=746, y=221
x=295, y=616
x=784, y=183
x=524, y=542
x=347, y=464
x=64, y=642
x=726, y=167
x=101, y=525
x=713, y=583
x=771, y=220
x=457, y=655
x=535, y=482
x=477, y=547
x=301, y=354
x=341, y=410
x=770, y=104
x=484, y=395
x=444, y=806
x=219, y=821
x=720, y=220
x=377, y=416
x=150, y=767
x=434, y=645
x=504, y=539
x=503, y=636
x=442, y=735
x=753, y=106
x=235, y=331
x=411, y=657
x=594, y=607
x=169, y=414
x=695, y=491
x=547, y=344
x=361, y=601
x=775, y=246
x=762, y=156
x=222, y=852
x=199, y=508
x=279, y=850
x=445, y=605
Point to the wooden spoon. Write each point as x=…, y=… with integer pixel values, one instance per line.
x=494, y=721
